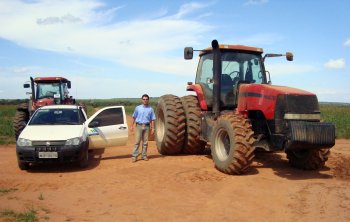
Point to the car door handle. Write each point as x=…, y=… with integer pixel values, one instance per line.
x=122, y=127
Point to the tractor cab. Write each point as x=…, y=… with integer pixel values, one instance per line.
x=237, y=66
x=49, y=90
x=234, y=65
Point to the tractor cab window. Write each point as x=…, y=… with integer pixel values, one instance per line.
x=237, y=67
x=242, y=66
x=48, y=90
x=205, y=71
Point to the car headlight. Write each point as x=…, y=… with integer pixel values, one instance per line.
x=74, y=141
x=24, y=142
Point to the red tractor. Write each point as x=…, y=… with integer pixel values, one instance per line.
x=236, y=110
x=44, y=91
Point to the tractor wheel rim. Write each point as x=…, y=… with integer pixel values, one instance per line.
x=160, y=126
x=222, y=144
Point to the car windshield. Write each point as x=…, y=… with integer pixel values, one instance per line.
x=57, y=117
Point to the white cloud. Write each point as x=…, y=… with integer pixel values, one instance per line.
x=256, y=2
x=335, y=64
x=347, y=42
x=187, y=8
x=86, y=28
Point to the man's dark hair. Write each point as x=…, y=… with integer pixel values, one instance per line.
x=145, y=95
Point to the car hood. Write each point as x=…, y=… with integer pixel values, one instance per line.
x=52, y=132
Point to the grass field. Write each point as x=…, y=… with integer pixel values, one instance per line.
x=334, y=113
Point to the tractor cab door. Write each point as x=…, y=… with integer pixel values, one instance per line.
x=107, y=127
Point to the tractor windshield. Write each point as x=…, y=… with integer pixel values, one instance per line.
x=235, y=66
x=48, y=90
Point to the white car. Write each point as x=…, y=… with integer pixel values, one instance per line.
x=62, y=133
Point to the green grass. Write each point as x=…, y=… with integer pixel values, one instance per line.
x=6, y=191
x=330, y=112
x=340, y=116
x=9, y=215
x=7, y=112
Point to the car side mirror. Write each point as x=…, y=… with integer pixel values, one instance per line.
x=26, y=85
x=188, y=53
x=68, y=85
x=94, y=124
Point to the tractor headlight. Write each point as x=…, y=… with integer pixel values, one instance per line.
x=24, y=142
x=73, y=142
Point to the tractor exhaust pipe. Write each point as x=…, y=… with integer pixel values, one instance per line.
x=33, y=89
x=216, y=77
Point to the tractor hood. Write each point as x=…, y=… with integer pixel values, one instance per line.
x=268, y=99
x=264, y=90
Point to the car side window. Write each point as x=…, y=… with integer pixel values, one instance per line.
x=109, y=117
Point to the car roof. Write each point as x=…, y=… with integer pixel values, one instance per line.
x=60, y=107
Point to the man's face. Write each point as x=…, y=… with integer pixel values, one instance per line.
x=145, y=100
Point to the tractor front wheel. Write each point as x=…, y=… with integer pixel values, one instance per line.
x=232, y=144
x=169, y=125
x=21, y=118
x=312, y=159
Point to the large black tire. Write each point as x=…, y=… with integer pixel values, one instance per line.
x=21, y=118
x=311, y=159
x=232, y=144
x=192, y=144
x=169, y=125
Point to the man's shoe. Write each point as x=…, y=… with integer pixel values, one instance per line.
x=145, y=158
x=133, y=160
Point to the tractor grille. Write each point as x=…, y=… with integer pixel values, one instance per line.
x=294, y=104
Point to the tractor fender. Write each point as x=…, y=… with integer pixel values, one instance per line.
x=200, y=95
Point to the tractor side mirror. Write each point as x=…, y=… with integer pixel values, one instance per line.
x=289, y=56
x=26, y=85
x=68, y=84
x=188, y=53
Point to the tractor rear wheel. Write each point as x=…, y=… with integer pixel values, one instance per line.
x=232, y=144
x=169, y=125
x=308, y=159
x=193, y=144
x=21, y=118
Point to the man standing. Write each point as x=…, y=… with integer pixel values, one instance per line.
x=143, y=117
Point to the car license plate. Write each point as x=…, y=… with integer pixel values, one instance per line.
x=48, y=155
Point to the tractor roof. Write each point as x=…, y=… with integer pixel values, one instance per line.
x=233, y=48
x=50, y=79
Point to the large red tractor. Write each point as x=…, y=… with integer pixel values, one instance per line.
x=44, y=91
x=236, y=110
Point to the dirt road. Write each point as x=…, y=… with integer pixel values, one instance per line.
x=178, y=188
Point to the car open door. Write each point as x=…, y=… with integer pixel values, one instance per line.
x=107, y=127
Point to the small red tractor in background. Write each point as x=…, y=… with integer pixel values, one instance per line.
x=44, y=91
x=236, y=110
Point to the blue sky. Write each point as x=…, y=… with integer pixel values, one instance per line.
x=122, y=49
